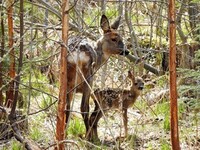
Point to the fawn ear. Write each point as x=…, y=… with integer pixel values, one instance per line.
x=131, y=74
x=105, y=24
x=115, y=25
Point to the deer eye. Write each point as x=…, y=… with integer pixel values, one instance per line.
x=135, y=83
x=114, y=40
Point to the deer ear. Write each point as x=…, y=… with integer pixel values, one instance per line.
x=115, y=25
x=105, y=24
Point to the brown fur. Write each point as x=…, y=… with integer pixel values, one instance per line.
x=83, y=60
x=115, y=99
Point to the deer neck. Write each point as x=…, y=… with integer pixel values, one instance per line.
x=135, y=92
x=101, y=57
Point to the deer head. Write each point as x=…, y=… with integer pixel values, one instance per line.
x=137, y=82
x=111, y=42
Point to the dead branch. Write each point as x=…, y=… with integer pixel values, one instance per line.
x=146, y=66
x=63, y=142
x=28, y=144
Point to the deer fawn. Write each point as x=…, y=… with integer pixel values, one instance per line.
x=84, y=60
x=115, y=99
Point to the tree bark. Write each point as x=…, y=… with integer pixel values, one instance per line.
x=61, y=117
x=10, y=92
x=172, y=70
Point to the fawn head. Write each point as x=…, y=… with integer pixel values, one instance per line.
x=137, y=82
x=112, y=42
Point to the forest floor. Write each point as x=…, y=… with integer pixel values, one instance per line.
x=148, y=126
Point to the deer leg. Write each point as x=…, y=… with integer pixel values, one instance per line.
x=68, y=100
x=94, y=119
x=125, y=121
x=98, y=117
x=85, y=107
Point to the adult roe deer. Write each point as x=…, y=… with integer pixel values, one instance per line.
x=114, y=99
x=84, y=60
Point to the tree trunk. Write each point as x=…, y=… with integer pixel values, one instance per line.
x=61, y=117
x=1, y=54
x=172, y=70
x=20, y=60
x=10, y=92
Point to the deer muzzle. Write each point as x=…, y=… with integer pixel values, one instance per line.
x=124, y=52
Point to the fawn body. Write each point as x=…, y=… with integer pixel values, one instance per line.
x=83, y=60
x=115, y=99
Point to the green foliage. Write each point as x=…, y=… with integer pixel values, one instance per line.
x=38, y=81
x=46, y=102
x=140, y=104
x=181, y=107
x=189, y=73
x=166, y=123
x=165, y=145
x=163, y=109
x=16, y=145
x=195, y=1
x=150, y=146
x=162, y=81
x=189, y=90
x=35, y=133
x=76, y=127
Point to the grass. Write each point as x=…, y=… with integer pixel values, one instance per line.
x=35, y=133
x=38, y=130
x=16, y=145
x=45, y=102
x=165, y=145
x=76, y=128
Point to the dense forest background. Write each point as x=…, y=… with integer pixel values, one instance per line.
x=30, y=42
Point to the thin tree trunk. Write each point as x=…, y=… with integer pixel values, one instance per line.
x=20, y=60
x=10, y=93
x=185, y=62
x=134, y=40
x=45, y=30
x=61, y=117
x=1, y=54
x=172, y=70
x=194, y=11
x=105, y=66
x=28, y=144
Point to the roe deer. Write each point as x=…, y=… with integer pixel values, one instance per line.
x=114, y=99
x=84, y=60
